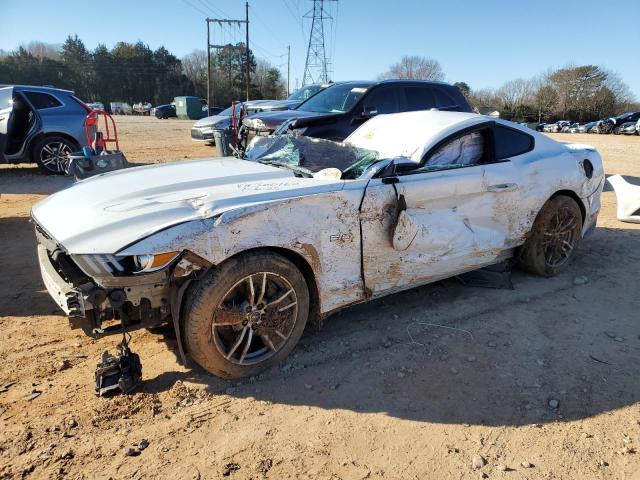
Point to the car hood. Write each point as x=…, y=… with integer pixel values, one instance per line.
x=213, y=120
x=271, y=105
x=274, y=119
x=106, y=213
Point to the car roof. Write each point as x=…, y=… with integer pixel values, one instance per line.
x=408, y=134
x=410, y=82
x=392, y=81
x=36, y=88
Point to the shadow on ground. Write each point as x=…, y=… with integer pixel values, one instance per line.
x=21, y=272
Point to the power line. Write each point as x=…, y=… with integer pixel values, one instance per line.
x=296, y=18
x=187, y=2
x=275, y=36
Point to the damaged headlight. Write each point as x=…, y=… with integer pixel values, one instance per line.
x=116, y=265
x=153, y=262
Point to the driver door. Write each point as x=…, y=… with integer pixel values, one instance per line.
x=439, y=220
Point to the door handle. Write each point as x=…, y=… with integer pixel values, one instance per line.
x=503, y=187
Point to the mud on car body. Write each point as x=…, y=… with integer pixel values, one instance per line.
x=239, y=254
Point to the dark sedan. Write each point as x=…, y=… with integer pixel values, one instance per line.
x=165, y=111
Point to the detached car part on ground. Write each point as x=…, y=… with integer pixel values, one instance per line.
x=627, y=198
x=41, y=125
x=239, y=254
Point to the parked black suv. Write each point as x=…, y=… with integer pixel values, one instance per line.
x=342, y=107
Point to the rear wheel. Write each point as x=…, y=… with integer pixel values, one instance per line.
x=246, y=315
x=554, y=238
x=52, y=154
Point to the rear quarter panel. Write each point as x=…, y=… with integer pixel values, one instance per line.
x=551, y=168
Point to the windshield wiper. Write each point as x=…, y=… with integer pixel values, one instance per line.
x=295, y=168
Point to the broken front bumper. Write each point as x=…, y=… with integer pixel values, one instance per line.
x=68, y=298
x=131, y=302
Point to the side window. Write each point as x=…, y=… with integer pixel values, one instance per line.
x=510, y=142
x=443, y=99
x=464, y=151
x=6, y=98
x=384, y=100
x=419, y=98
x=40, y=100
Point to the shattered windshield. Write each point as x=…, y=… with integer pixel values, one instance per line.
x=335, y=99
x=306, y=155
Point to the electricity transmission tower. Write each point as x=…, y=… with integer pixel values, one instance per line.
x=316, y=67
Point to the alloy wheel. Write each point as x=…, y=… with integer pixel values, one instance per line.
x=561, y=237
x=255, y=318
x=54, y=156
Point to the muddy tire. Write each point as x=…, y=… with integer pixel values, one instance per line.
x=246, y=315
x=554, y=238
x=52, y=154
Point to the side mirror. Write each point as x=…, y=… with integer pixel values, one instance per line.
x=397, y=165
x=369, y=112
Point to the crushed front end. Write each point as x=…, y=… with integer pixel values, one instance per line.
x=106, y=294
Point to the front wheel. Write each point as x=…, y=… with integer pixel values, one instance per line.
x=52, y=154
x=554, y=238
x=246, y=315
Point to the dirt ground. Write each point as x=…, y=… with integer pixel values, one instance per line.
x=413, y=386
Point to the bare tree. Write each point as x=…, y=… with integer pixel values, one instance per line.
x=42, y=50
x=485, y=97
x=414, y=67
x=515, y=93
x=268, y=81
x=545, y=99
x=619, y=88
x=194, y=66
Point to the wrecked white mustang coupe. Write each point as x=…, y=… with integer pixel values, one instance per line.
x=239, y=254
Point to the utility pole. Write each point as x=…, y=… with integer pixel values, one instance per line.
x=316, y=67
x=246, y=19
x=208, y=67
x=288, y=68
x=221, y=21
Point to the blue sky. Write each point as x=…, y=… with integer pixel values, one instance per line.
x=481, y=42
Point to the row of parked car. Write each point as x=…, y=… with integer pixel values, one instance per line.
x=626, y=124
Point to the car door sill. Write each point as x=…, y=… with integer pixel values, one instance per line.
x=502, y=256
